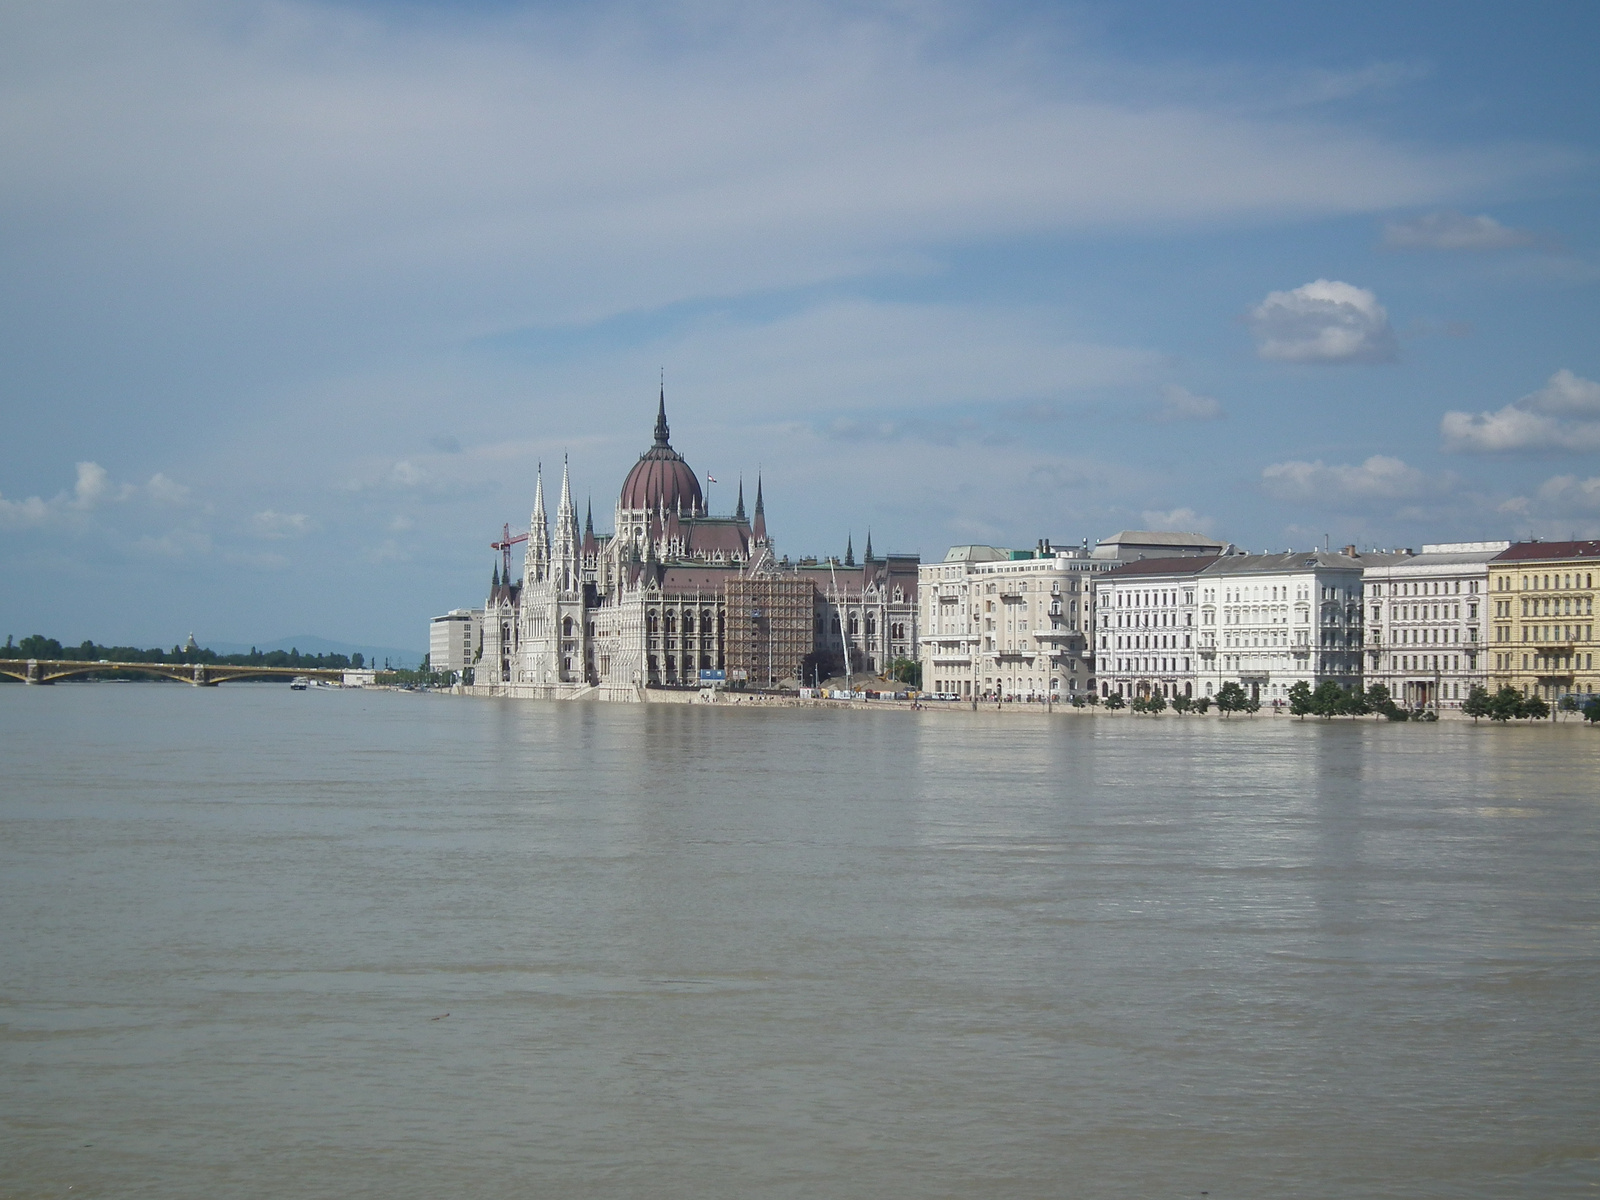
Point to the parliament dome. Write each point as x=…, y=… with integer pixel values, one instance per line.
x=661, y=477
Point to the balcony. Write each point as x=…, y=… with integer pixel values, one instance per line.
x=1055, y=635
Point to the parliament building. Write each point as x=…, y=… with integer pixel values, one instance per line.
x=674, y=591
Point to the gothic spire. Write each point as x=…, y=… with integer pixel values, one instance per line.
x=738, y=511
x=567, y=547
x=494, y=582
x=759, y=527
x=850, y=551
x=866, y=555
x=538, y=552
x=662, y=432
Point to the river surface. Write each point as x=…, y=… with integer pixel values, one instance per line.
x=715, y=952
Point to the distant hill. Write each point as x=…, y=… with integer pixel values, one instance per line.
x=309, y=643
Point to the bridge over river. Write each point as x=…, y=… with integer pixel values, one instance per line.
x=48, y=670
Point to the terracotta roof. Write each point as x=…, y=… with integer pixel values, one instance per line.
x=1189, y=564
x=1538, y=551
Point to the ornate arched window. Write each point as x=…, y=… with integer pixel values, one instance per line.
x=566, y=626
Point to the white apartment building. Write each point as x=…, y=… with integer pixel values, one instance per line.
x=1020, y=623
x=1425, y=623
x=1011, y=623
x=1270, y=621
x=1146, y=627
x=455, y=639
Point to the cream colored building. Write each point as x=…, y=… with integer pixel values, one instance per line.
x=1541, y=598
x=1020, y=623
x=1426, y=623
x=1011, y=623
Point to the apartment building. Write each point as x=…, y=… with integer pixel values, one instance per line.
x=1146, y=626
x=1541, y=597
x=1426, y=623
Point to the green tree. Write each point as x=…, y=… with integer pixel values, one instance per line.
x=1535, y=707
x=1181, y=704
x=1591, y=710
x=1477, y=703
x=1379, y=700
x=1231, y=698
x=1329, y=700
x=1114, y=700
x=1156, y=704
x=36, y=645
x=907, y=671
x=1507, y=703
x=1203, y=705
x=1300, y=699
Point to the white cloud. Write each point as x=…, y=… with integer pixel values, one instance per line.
x=275, y=526
x=162, y=490
x=407, y=474
x=92, y=489
x=1564, y=415
x=175, y=543
x=1324, y=321
x=854, y=355
x=1453, y=231
x=1183, y=520
x=1379, y=478
x=611, y=157
x=1563, y=506
x=1180, y=404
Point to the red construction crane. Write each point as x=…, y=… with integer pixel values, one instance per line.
x=504, y=546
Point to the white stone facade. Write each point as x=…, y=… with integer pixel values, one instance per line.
x=1270, y=621
x=1147, y=617
x=1426, y=619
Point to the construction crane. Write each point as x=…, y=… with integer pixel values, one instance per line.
x=504, y=546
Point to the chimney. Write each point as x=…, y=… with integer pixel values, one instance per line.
x=1350, y=552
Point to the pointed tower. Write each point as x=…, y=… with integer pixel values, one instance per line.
x=663, y=434
x=759, y=527
x=850, y=551
x=738, y=509
x=494, y=580
x=866, y=555
x=536, y=562
x=590, y=545
x=567, y=550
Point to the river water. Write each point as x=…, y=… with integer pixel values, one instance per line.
x=719, y=952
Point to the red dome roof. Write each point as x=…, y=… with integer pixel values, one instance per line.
x=661, y=476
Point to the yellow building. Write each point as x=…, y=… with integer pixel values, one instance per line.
x=1541, y=618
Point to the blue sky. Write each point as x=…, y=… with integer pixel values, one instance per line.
x=295, y=296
